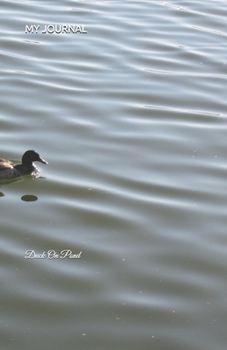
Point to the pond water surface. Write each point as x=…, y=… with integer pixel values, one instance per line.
x=121, y=242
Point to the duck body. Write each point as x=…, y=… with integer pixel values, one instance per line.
x=9, y=170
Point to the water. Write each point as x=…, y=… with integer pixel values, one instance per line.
x=131, y=118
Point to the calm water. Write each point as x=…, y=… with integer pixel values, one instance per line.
x=131, y=117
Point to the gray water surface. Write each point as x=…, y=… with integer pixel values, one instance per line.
x=131, y=117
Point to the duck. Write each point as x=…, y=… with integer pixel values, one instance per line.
x=9, y=170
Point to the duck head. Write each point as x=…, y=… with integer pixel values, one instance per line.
x=32, y=156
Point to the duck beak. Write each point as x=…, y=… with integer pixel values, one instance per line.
x=42, y=160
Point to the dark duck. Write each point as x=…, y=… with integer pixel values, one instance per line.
x=9, y=170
